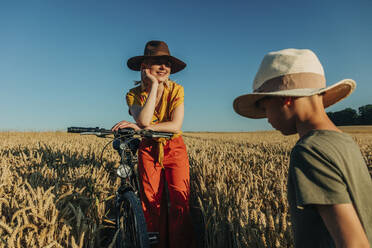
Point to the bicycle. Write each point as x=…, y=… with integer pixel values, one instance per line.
x=130, y=224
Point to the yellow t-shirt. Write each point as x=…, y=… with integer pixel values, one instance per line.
x=172, y=97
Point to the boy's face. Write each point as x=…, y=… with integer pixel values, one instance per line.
x=279, y=114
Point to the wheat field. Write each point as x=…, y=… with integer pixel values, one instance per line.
x=55, y=193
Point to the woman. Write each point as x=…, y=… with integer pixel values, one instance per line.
x=157, y=104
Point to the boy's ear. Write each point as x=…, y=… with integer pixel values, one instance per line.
x=288, y=101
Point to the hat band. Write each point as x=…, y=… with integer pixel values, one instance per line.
x=301, y=80
x=157, y=53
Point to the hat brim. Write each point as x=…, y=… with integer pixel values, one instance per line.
x=177, y=65
x=245, y=105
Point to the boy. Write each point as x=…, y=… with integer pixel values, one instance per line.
x=329, y=187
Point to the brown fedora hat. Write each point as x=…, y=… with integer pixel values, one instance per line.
x=156, y=48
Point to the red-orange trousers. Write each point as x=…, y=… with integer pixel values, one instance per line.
x=153, y=197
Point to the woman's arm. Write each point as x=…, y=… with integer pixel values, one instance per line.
x=125, y=124
x=174, y=125
x=143, y=116
x=344, y=225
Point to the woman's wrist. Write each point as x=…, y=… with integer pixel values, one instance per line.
x=149, y=127
x=154, y=85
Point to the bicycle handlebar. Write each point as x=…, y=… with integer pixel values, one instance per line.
x=125, y=131
x=82, y=129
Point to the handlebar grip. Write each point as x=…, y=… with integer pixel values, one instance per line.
x=163, y=134
x=82, y=129
x=154, y=134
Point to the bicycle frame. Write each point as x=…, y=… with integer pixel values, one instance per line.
x=127, y=149
x=126, y=142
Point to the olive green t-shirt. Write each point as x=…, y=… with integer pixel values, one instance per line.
x=326, y=167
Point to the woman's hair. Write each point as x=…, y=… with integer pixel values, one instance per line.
x=136, y=82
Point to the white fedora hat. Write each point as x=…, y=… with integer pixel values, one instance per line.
x=290, y=73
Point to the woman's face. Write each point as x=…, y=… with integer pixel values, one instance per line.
x=159, y=67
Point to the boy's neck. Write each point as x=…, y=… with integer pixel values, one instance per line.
x=305, y=127
x=314, y=118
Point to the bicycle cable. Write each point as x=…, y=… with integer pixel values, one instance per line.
x=101, y=157
x=103, y=149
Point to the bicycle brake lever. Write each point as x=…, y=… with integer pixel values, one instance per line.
x=87, y=133
x=98, y=134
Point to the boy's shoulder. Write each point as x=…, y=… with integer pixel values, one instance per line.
x=320, y=136
x=337, y=150
x=325, y=141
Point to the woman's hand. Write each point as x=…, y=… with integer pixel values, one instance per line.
x=125, y=124
x=147, y=77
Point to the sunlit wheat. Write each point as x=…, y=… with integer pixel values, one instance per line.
x=55, y=193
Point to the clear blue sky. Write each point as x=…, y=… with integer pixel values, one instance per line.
x=63, y=63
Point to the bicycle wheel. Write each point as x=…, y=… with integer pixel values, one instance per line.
x=132, y=224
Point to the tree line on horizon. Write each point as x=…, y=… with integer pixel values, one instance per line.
x=350, y=116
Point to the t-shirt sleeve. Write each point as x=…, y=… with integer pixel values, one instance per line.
x=178, y=98
x=317, y=180
x=132, y=99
